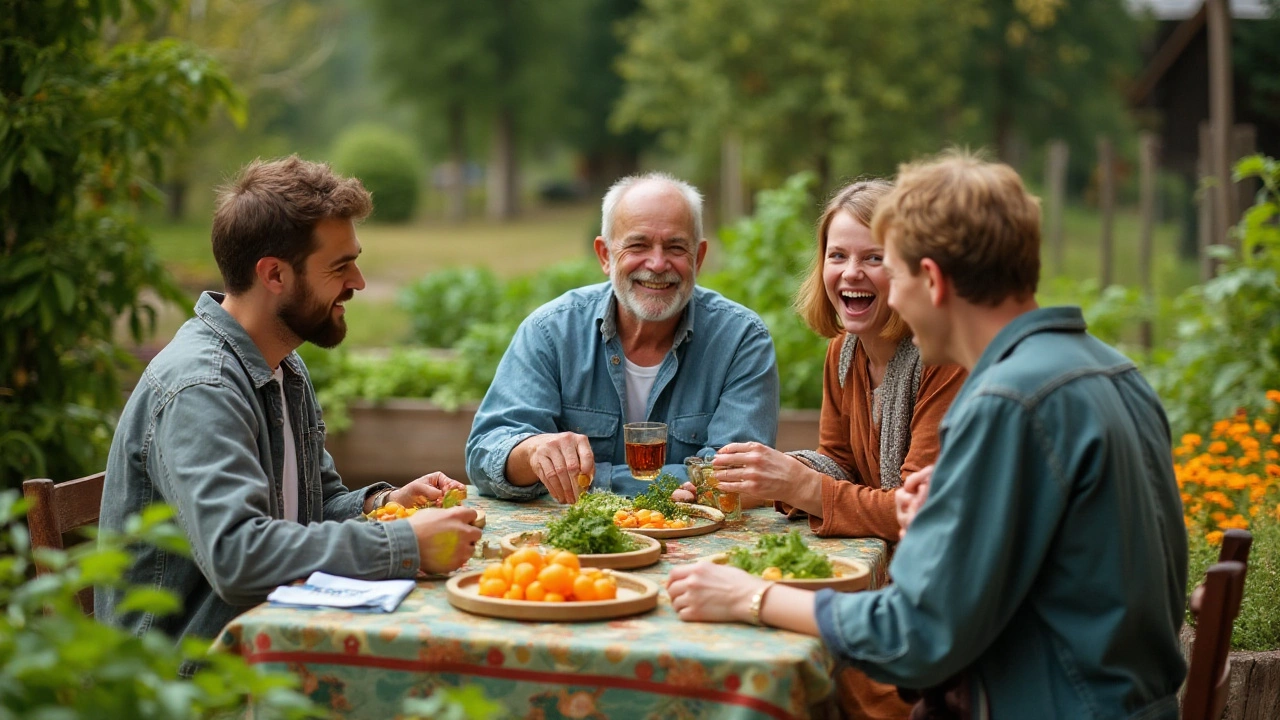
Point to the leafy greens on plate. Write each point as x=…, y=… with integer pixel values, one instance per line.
x=788, y=553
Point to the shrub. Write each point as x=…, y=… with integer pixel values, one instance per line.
x=81, y=124
x=1232, y=480
x=1227, y=349
x=386, y=162
x=443, y=304
x=57, y=663
x=765, y=256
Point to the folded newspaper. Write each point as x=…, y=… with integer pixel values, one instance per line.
x=323, y=590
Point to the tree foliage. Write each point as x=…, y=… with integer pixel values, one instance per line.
x=78, y=124
x=851, y=85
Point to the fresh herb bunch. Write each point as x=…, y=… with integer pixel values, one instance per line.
x=786, y=552
x=603, y=501
x=587, y=531
x=658, y=498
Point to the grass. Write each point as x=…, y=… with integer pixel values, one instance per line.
x=1258, y=625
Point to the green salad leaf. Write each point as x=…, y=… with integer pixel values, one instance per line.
x=658, y=498
x=588, y=531
x=603, y=501
x=786, y=552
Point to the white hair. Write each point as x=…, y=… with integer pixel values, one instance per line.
x=691, y=196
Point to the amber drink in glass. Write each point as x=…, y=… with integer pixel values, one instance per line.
x=646, y=448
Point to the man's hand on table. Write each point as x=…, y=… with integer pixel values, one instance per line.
x=446, y=538
x=708, y=592
x=556, y=460
x=908, y=498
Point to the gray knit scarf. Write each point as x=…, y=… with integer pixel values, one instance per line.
x=892, y=406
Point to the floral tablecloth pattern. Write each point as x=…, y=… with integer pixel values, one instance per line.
x=646, y=666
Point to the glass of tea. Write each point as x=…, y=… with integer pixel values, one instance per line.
x=646, y=448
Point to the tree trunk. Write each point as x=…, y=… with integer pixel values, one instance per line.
x=175, y=204
x=455, y=171
x=732, y=192
x=502, y=186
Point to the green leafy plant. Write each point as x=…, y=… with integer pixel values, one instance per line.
x=464, y=703
x=1226, y=353
x=587, y=530
x=657, y=497
x=765, y=256
x=385, y=161
x=603, y=501
x=787, y=552
x=444, y=304
x=57, y=663
x=80, y=124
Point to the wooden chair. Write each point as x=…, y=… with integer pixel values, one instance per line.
x=57, y=508
x=1235, y=547
x=1215, y=605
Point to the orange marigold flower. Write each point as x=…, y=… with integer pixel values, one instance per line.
x=1272, y=454
x=1217, y=447
x=1220, y=427
x=1214, y=537
x=1262, y=427
x=1235, y=481
x=1273, y=396
x=1273, y=470
x=1192, y=439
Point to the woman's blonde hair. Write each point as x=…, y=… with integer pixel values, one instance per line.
x=859, y=199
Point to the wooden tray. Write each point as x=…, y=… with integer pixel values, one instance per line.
x=649, y=553
x=854, y=575
x=478, y=522
x=706, y=520
x=635, y=595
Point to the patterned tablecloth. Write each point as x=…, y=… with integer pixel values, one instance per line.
x=646, y=666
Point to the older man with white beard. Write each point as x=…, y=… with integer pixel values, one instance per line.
x=649, y=345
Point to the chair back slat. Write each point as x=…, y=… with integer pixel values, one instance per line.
x=57, y=508
x=1209, y=675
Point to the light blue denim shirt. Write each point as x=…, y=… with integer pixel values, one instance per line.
x=564, y=371
x=1050, y=559
x=203, y=432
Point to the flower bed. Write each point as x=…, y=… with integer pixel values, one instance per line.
x=1231, y=479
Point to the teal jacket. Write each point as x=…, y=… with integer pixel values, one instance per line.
x=1050, y=559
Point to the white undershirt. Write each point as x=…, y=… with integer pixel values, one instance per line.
x=640, y=381
x=290, y=478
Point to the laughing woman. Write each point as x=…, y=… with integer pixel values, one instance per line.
x=880, y=408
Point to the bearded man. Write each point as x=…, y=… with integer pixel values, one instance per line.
x=224, y=425
x=649, y=345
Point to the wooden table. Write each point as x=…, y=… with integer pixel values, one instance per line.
x=652, y=665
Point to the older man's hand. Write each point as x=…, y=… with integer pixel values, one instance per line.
x=558, y=460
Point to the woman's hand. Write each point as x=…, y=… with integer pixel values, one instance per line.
x=707, y=592
x=757, y=469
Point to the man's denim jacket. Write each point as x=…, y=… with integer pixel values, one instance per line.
x=1050, y=558
x=564, y=371
x=203, y=432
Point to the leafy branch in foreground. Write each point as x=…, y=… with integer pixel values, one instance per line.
x=57, y=663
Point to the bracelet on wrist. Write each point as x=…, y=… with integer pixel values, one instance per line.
x=757, y=600
x=380, y=498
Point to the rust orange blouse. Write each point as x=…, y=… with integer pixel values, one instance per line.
x=849, y=436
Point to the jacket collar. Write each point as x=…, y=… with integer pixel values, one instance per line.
x=1051, y=319
x=209, y=309
x=607, y=316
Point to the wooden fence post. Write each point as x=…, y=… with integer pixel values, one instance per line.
x=1056, y=185
x=1147, y=149
x=1205, y=222
x=1107, y=202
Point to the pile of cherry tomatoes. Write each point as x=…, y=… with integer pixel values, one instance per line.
x=646, y=519
x=527, y=574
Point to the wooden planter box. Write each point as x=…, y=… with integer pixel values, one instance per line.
x=398, y=440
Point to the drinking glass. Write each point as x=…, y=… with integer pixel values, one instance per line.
x=646, y=448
